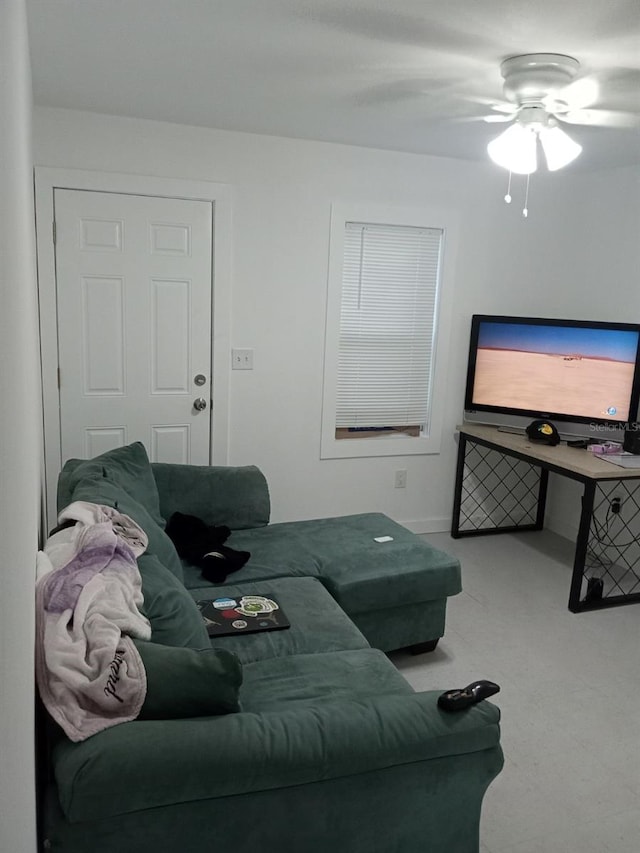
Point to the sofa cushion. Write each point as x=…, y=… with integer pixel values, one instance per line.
x=308, y=680
x=360, y=573
x=102, y=491
x=175, y=619
x=185, y=682
x=126, y=466
x=236, y=496
x=318, y=624
x=277, y=551
x=372, y=575
x=156, y=763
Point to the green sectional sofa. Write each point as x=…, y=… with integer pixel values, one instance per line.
x=328, y=748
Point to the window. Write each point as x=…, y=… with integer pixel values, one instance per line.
x=383, y=316
x=387, y=323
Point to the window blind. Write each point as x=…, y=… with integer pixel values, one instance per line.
x=387, y=324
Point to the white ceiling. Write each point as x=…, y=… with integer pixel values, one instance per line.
x=395, y=74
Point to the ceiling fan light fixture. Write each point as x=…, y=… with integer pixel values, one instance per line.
x=515, y=149
x=559, y=148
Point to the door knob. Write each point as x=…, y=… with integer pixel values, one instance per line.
x=199, y=404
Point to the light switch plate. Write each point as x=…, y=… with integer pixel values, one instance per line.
x=242, y=359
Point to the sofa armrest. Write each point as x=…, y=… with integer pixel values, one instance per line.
x=235, y=496
x=174, y=761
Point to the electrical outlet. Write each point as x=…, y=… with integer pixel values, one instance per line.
x=616, y=505
x=401, y=478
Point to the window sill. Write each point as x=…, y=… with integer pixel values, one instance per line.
x=388, y=445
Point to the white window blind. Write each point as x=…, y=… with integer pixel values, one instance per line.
x=387, y=324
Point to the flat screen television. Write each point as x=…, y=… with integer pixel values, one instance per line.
x=583, y=374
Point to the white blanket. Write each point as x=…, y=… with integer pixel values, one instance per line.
x=88, y=593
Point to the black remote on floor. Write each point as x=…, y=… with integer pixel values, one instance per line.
x=458, y=700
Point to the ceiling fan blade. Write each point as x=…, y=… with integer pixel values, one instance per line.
x=579, y=94
x=620, y=89
x=490, y=119
x=507, y=109
x=491, y=103
x=436, y=95
x=600, y=118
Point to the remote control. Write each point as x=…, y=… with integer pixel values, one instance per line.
x=457, y=700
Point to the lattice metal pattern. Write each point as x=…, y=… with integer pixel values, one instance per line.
x=497, y=490
x=613, y=551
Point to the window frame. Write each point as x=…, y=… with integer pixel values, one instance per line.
x=422, y=217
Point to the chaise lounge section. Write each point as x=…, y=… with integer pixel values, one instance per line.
x=394, y=591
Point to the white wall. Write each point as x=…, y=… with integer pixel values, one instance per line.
x=282, y=195
x=598, y=273
x=20, y=446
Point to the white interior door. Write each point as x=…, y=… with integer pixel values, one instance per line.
x=133, y=281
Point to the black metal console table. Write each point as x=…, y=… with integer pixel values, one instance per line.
x=501, y=487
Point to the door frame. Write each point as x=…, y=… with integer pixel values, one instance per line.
x=219, y=195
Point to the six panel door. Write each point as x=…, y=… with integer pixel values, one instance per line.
x=133, y=277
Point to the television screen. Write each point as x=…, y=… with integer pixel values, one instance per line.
x=565, y=369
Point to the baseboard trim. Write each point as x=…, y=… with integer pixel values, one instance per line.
x=428, y=525
x=443, y=525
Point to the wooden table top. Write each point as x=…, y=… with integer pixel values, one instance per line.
x=577, y=460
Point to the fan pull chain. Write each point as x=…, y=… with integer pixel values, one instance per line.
x=507, y=198
x=525, y=209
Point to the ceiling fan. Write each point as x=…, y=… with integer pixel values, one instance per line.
x=543, y=90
